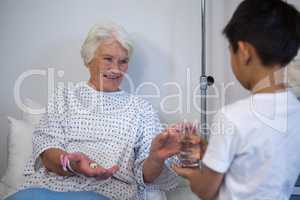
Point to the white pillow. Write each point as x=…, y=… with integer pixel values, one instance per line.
x=28, y=114
x=3, y=190
x=19, y=152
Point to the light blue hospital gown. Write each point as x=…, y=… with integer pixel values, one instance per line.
x=110, y=128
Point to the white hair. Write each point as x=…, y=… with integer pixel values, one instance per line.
x=100, y=32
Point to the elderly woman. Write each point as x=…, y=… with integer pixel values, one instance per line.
x=97, y=141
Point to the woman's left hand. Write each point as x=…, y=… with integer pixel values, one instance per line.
x=165, y=145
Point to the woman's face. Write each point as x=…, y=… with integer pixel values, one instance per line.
x=108, y=66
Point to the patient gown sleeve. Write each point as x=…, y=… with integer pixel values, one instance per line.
x=150, y=126
x=50, y=131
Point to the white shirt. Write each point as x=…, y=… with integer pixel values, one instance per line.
x=255, y=142
x=111, y=128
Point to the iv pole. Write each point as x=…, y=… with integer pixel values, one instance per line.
x=205, y=80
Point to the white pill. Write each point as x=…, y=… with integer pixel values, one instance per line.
x=93, y=165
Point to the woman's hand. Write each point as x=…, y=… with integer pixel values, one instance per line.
x=81, y=164
x=165, y=145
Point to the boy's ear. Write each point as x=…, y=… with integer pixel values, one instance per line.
x=245, y=52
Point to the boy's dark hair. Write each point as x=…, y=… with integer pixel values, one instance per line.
x=271, y=26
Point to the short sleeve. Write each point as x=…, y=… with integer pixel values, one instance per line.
x=50, y=131
x=222, y=144
x=150, y=126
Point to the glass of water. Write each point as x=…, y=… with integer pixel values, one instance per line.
x=190, y=153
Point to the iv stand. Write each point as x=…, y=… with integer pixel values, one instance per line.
x=205, y=81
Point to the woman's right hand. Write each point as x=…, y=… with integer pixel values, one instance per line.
x=81, y=164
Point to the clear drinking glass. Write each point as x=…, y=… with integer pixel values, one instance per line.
x=190, y=153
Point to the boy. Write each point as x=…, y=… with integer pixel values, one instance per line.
x=254, y=151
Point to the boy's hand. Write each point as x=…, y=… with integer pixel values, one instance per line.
x=193, y=175
x=204, y=182
x=188, y=173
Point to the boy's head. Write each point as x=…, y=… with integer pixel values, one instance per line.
x=266, y=32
